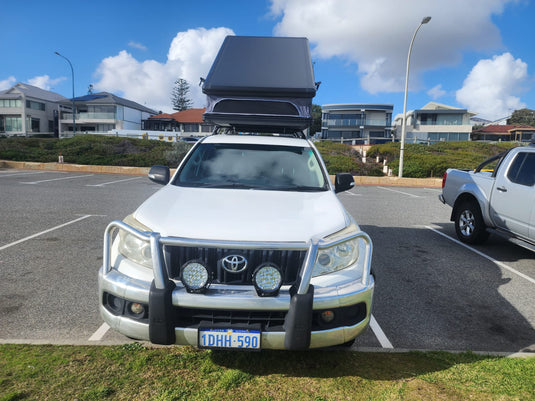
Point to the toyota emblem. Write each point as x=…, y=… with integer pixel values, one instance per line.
x=234, y=263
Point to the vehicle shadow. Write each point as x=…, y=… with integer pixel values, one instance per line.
x=432, y=293
x=337, y=363
x=497, y=246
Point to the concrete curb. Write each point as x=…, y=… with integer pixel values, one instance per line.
x=80, y=168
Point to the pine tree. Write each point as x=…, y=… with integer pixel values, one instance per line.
x=180, y=95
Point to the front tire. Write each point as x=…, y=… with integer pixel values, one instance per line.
x=469, y=224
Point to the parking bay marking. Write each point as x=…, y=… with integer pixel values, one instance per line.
x=45, y=232
x=112, y=182
x=101, y=331
x=2, y=175
x=56, y=179
x=399, y=192
x=380, y=334
x=496, y=262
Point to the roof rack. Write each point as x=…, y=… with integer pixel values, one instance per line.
x=258, y=131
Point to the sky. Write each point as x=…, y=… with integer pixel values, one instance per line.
x=473, y=54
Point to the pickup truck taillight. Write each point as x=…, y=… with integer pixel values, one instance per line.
x=444, y=179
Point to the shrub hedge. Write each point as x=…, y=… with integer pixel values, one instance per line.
x=420, y=160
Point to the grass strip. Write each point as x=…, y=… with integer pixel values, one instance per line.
x=136, y=372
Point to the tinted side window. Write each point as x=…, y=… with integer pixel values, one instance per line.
x=522, y=170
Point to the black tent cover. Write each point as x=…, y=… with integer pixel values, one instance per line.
x=261, y=83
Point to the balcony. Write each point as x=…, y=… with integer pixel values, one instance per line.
x=358, y=123
x=88, y=116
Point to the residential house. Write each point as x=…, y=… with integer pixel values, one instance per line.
x=519, y=133
x=101, y=112
x=357, y=123
x=435, y=122
x=186, y=123
x=28, y=110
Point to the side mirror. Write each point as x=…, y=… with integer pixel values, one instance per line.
x=160, y=174
x=343, y=182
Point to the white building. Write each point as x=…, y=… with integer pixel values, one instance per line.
x=101, y=112
x=28, y=110
x=436, y=122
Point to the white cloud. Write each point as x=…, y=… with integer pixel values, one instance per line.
x=45, y=82
x=436, y=92
x=376, y=34
x=137, y=45
x=492, y=87
x=7, y=83
x=150, y=82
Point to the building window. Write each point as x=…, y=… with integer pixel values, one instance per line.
x=10, y=103
x=35, y=105
x=36, y=125
x=13, y=123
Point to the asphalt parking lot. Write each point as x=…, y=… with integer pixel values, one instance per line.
x=432, y=292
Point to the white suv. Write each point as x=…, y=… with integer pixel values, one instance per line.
x=246, y=246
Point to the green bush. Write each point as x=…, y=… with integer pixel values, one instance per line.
x=420, y=160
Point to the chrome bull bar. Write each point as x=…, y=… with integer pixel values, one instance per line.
x=160, y=272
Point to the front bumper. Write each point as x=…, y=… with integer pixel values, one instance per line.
x=297, y=307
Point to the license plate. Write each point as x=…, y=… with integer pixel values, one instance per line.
x=229, y=338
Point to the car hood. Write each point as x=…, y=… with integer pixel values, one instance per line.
x=242, y=215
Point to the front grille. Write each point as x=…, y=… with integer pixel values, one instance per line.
x=289, y=262
x=268, y=320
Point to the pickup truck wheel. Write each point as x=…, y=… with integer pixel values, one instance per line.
x=469, y=224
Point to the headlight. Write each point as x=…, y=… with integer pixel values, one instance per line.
x=135, y=249
x=336, y=257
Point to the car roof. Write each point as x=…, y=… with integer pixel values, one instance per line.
x=257, y=140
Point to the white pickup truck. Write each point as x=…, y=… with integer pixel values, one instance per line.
x=499, y=194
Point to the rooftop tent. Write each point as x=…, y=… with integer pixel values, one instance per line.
x=261, y=82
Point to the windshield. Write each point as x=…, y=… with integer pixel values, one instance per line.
x=248, y=166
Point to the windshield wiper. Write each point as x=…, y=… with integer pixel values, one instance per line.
x=297, y=188
x=235, y=185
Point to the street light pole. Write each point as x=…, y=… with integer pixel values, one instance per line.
x=403, y=127
x=73, y=109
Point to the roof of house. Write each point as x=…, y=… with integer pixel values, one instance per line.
x=31, y=91
x=185, y=116
x=504, y=129
x=108, y=98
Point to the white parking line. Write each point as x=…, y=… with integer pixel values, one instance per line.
x=57, y=179
x=380, y=334
x=112, y=182
x=44, y=232
x=102, y=330
x=400, y=192
x=497, y=262
x=351, y=193
x=2, y=175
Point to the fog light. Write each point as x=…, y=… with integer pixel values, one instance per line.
x=327, y=316
x=267, y=280
x=136, y=308
x=115, y=304
x=194, y=276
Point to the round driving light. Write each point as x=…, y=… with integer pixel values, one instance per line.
x=267, y=280
x=327, y=316
x=194, y=276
